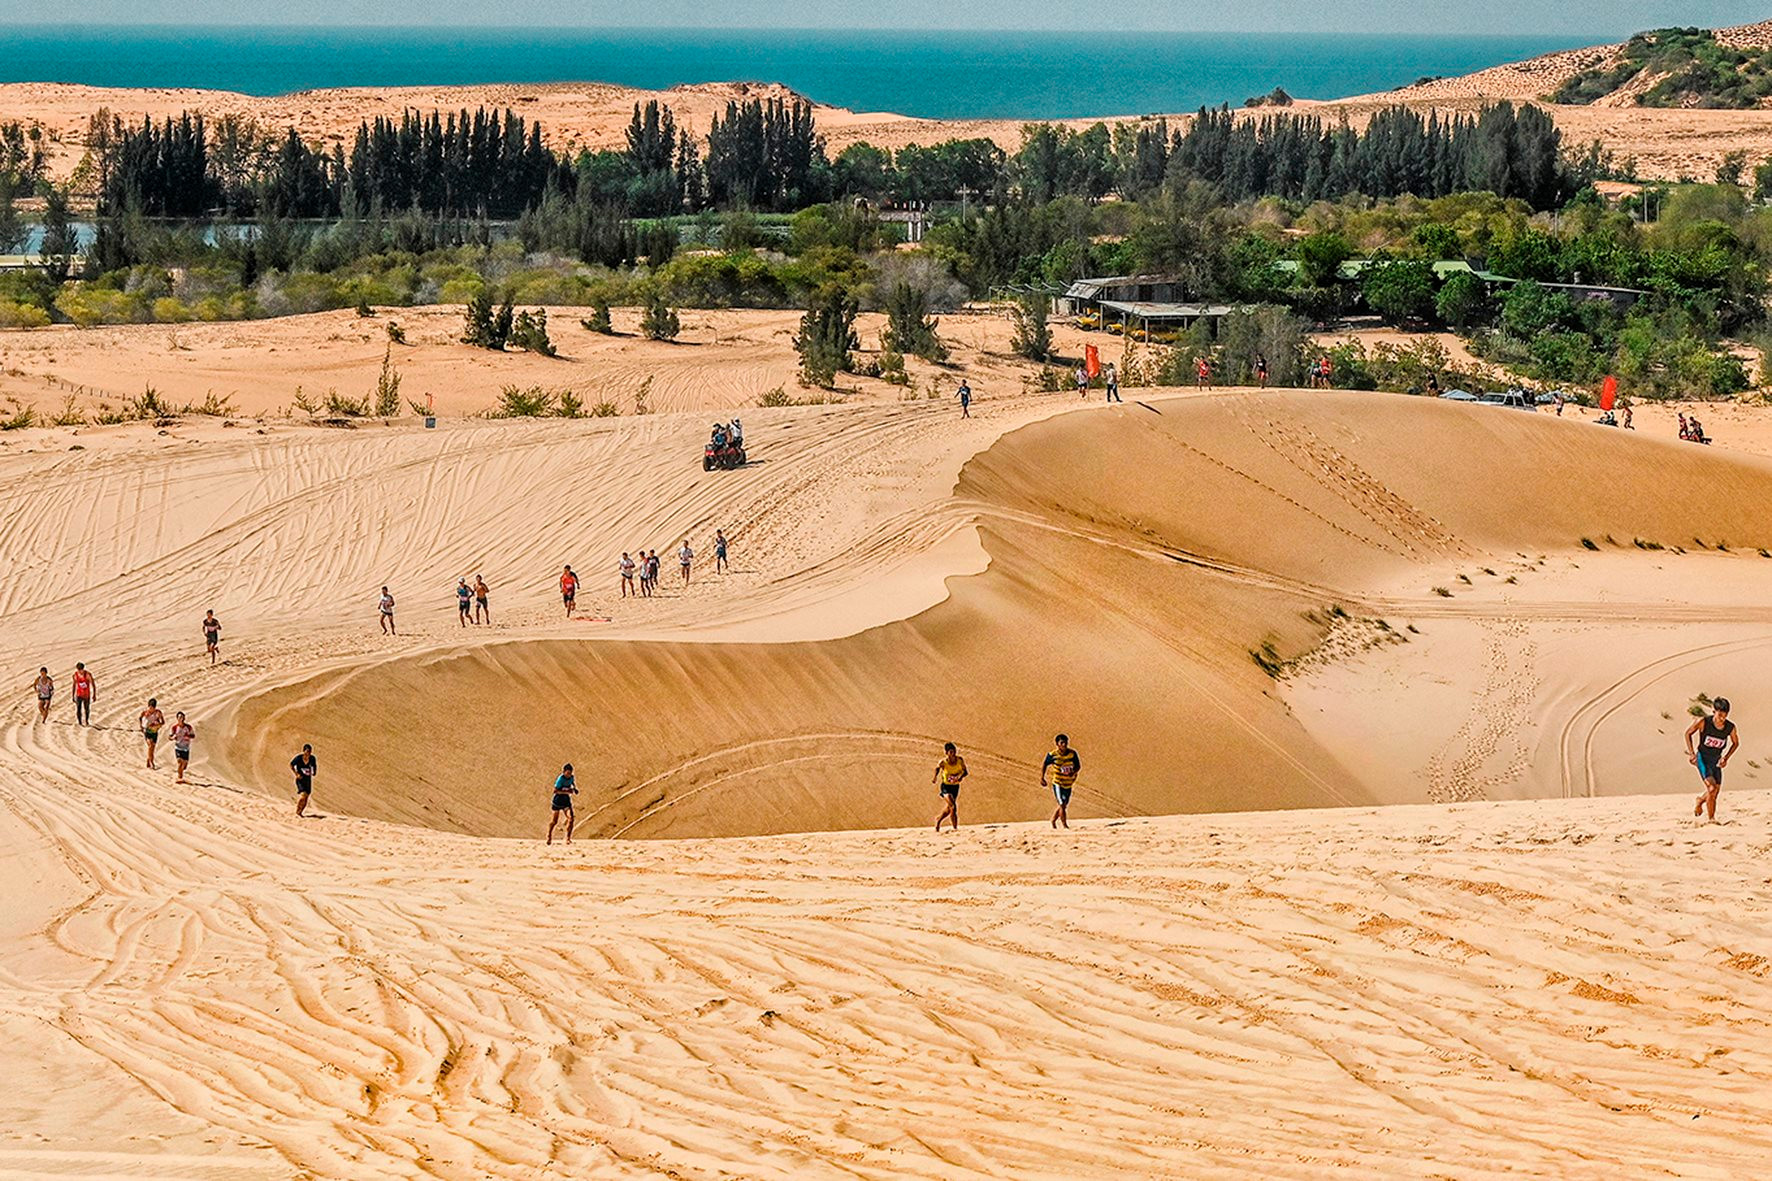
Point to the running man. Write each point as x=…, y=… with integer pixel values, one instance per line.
x=85, y=690
x=1717, y=740
x=569, y=590
x=1113, y=384
x=464, y=600
x=1082, y=376
x=685, y=557
x=965, y=395
x=565, y=787
x=304, y=765
x=626, y=566
x=181, y=743
x=651, y=571
x=481, y=606
x=948, y=774
x=45, y=686
x=1062, y=763
x=719, y=551
x=386, y=606
x=151, y=720
x=1202, y=373
x=211, y=635
x=1261, y=371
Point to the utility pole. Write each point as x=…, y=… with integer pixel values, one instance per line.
x=966, y=192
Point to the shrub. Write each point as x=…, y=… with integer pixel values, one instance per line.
x=909, y=326
x=170, y=310
x=599, y=321
x=387, y=386
x=22, y=315
x=826, y=337
x=1032, y=337
x=529, y=332
x=659, y=321
x=524, y=402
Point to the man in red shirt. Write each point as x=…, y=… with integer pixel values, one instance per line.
x=568, y=590
x=85, y=689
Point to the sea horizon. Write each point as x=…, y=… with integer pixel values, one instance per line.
x=941, y=74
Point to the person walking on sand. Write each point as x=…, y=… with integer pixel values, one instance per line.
x=211, y=635
x=965, y=395
x=385, y=605
x=626, y=568
x=464, y=600
x=45, y=686
x=304, y=765
x=948, y=774
x=85, y=690
x=569, y=590
x=182, y=733
x=1082, y=376
x=1062, y=764
x=151, y=721
x=1260, y=371
x=685, y=558
x=565, y=787
x=1202, y=373
x=652, y=569
x=1112, y=378
x=481, y=606
x=719, y=551
x=1717, y=739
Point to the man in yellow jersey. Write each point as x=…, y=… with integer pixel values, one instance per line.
x=1062, y=764
x=948, y=774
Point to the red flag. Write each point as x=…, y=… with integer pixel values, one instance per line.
x=1608, y=393
x=1091, y=361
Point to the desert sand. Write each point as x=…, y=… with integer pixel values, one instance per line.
x=1529, y=966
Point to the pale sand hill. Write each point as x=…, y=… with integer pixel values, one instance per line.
x=201, y=987
x=724, y=359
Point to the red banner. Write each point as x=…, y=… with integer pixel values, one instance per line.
x=1091, y=361
x=1608, y=393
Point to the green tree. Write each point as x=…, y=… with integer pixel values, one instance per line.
x=478, y=330
x=1032, y=336
x=1400, y=292
x=1730, y=169
x=1763, y=181
x=1320, y=257
x=599, y=321
x=529, y=332
x=909, y=326
x=1463, y=302
x=659, y=320
x=827, y=337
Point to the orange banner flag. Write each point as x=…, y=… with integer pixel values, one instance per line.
x=1091, y=361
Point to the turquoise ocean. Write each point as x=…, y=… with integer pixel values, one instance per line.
x=949, y=75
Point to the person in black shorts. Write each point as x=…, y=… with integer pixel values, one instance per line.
x=1717, y=739
x=565, y=787
x=304, y=767
x=211, y=634
x=948, y=774
x=1062, y=764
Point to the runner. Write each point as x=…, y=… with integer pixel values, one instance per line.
x=948, y=774
x=211, y=635
x=85, y=690
x=151, y=720
x=685, y=556
x=45, y=686
x=1326, y=372
x=304, y=765
x=386, y=607
x=719, y=552
x=1113, y=384
x=1717, y=740
x=181, y=743
x=1261, y=371
x=652, y=570
x=645, y=574
x=464, y=600
x=1082, y=376
x=569, y=590
x=626, y=566
x=965, y=395
x=1063, y=763
x=565, y=787
x=1202, y=373
x=481, y=606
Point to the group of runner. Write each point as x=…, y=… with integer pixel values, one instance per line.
x=473, y=600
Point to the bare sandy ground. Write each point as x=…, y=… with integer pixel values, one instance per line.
x=724, y=359
x=194, y=984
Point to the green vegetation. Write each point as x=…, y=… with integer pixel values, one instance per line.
x=1686, y=68
x=827, y=338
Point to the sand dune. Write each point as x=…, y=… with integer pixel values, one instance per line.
x=202, y=987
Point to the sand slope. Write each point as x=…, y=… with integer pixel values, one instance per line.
x=202, y=987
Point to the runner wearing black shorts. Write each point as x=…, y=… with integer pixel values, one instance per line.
x=565, y=787
x=304, y=765
x=948, y=774
x=1717, y=739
